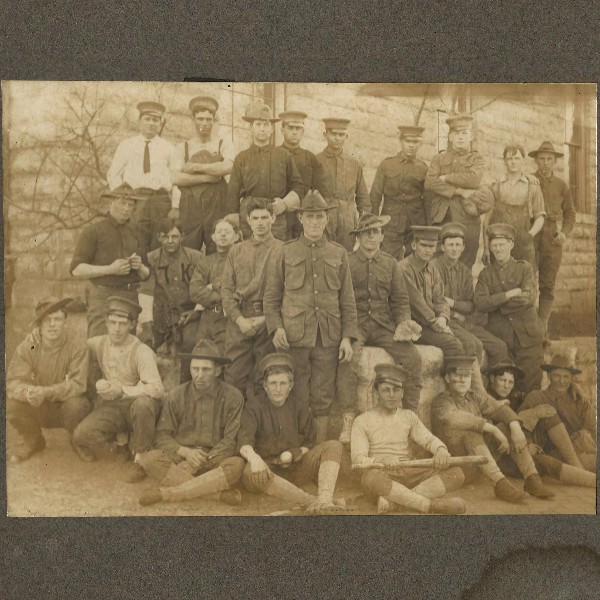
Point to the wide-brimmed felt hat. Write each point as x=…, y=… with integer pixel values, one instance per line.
x=203, y=103
x=545, y=146
x=206, y=350
x=506, y=365
x=369, y=221
x=560, y=361
x=389, y=373
x=313, y=202
x=124, y=191
x=47, y=306
x=149, y=107
x=259, y=111
x=276, y=359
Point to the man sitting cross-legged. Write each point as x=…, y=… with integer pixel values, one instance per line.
x=476, y=424
x=277, y=439
x=195, y=436
x=381, y=436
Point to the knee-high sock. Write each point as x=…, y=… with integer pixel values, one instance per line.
x=202, y=485
x=562, y=442
x=491, y=470
x=524, y=461
x=328, y=472
x=401, y=495
x=282, y=488
x=442, y=483
x=575, y=476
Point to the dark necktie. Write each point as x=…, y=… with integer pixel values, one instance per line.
x=147, y=158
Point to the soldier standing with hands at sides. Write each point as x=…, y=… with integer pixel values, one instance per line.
x=349, y=195
x=109, y=253
x=243, y=285
x=400, y=180
x=198, y=169
x=310, y=309
x=310, y=169
x=264, y=172
x=452, y=186
x=143, y=162
x=550, y=240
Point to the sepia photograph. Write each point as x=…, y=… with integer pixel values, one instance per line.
x=299, y=299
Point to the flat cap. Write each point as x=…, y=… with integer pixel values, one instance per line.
x=368, y=221
x=47, y=306
x=206, y=350
x=422, y=232
x=259, y=111
x=148, y=107
x=276, y=359
x=123, y=307
x=453, y=230
x=463, y=365
x=313, y=202
x=203, y=103
x=335, y=123
x=387, y=373
x=459, y=122
x=292, y=115
x=545, y=147
x=411, y=131
x=501, y=230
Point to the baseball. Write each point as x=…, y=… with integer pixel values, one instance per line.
x=285, y=457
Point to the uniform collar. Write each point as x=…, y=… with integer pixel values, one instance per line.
x=460, y=152
x=335, y=153
x=266, y=242
x=115, y=223
x=445, y=261
x=363, y=257
x=508, y=263
x=404, y=158
x=294, y=150
x=417, y=262
x=206, y=393
x=257, y=149
x=310, y=243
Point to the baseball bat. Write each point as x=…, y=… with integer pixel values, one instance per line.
x=424, y=463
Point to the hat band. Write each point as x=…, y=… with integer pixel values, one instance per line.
x=383, y=379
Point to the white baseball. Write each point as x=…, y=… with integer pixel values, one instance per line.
x=285, y=457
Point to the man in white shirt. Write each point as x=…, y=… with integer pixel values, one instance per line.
x=144, y=163
x=198, y=169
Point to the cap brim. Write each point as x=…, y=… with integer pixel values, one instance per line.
x=300, y=209
x=251, y=119
x=112, y=195
x=515, y=370
x=383, y=221
x=217, y=359
x=52, y=308
x=550, y=368
x=534, y=153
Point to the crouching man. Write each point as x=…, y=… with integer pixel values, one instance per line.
x=46, y=380
x=195, y=436
x=476, y=424
x=277, y=439
x=381, y=436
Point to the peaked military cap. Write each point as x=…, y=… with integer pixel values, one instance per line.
x=506, y=365
x=501, y=230
x=276, y=359
x=463, y=365
x=292, y=115
x=147, y=107
x=313, y=202
x=368, y=221
x=206, y=350
x=335, y=123
x=560, y=361
x=422, y=232
x=389, y=373
x=453, y=230
x=459, y=122
x=47, y=306
x=411, y=131
x=203, y=103
x=123, y=307
x=545, y=147
x=258, y=111
x=124, y=191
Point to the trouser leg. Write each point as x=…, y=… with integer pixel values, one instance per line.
x=440, y=484
x=472, y=346
x=449, y=344
x=277, y=486
x=26, y=419
x=301, y=389
x=101, y=426
x=476, y=446
x=347, y=218
x=323, y=365
x=378, y=483
x=141, y=418
x=188, y=341
x=495, y=348
x=529, y=360
x=239, y=350
x=73, y=411
x=523, y=459
x=159, y=466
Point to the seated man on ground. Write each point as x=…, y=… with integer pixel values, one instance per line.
x=476, y=424
x=502, y=379
x=381, y=436
x=195, y=436
x=569, y=434
x=277, y=440
x=46, y=381
x=129, y=390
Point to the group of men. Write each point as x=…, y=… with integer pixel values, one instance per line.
x=302, y=268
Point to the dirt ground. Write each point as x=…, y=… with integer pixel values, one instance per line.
x=55, y=483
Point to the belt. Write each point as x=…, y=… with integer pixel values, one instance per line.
x=124, y=287
x=252, y=306
x=151, y=192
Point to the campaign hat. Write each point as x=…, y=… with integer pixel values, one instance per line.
x=545, y=146
x=313, y=202
x=206, y=350
x=369, y=221
x=46, y=306
x=560, y=361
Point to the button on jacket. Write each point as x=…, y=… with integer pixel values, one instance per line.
x=309, y=291
x=379, y=288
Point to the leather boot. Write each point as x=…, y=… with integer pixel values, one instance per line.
x=535, y=487
x=506, y=491
x=348, y=419
x=574, y=476
x=322, y=425
x=559, y=436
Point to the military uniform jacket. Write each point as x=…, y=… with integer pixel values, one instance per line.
x=208, y=272
x=379, y=289
x=400, y=181
x=519, y=313
x=311, y=170
x=462, y=170
x=309, y=291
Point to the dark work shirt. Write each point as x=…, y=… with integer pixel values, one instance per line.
x=104, y=242
x=265, y=172
x=271, y=429
x=458, y=283
x=208, y=272
x=311, y=170
x=558, y=201
x=207, y=419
